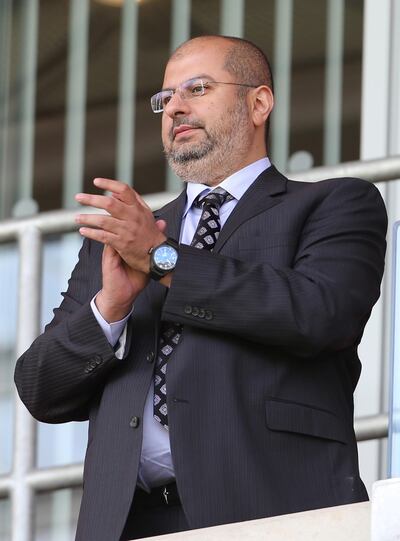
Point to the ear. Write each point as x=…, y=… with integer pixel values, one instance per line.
x=262, y=102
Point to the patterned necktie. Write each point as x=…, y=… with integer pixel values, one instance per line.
x=205, y=237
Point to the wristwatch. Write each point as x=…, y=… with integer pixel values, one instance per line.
x=163, y=258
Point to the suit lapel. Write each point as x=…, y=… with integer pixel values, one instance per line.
x=172, y=214
x=260, y=196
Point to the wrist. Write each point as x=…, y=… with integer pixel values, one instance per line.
x=111, y=311
x=166, y=280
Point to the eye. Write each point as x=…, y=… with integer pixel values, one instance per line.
x=166, y=98
x=197, y=89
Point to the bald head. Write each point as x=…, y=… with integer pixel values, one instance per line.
x=246, y=62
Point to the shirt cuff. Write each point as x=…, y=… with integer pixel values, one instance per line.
x=112, y=331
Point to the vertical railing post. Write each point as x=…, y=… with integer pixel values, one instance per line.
x=30, y=255
x=27, y=86
x=232, y=18
x=333, y=82
x=6, y=188
x=76, y=101
x=180, y=32
x=127, y=92
x=374, y=133
x=283, y=69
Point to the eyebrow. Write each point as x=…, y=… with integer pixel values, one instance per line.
x=201, y=76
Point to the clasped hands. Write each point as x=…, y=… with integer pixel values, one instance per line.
x=128, y=231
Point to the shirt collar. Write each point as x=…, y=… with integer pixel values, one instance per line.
x=235, y=184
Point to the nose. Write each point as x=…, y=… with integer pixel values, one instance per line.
x=176, y=105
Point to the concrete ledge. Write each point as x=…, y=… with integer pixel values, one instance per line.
x=385, y=510
x=340, y=523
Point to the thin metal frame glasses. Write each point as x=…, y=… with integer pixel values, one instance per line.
x=193, y=88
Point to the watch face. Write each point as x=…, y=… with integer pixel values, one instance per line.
x=165, y=257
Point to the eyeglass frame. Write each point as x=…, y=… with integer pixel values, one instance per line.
x=196, y=81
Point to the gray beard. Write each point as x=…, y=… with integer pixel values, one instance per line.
x=214, y=158
x=191, y=165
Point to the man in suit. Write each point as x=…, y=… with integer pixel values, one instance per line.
x=217, y=374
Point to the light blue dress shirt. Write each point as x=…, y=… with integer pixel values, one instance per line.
x=156, y=466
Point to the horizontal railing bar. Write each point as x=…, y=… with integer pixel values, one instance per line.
x=62, y=221
x=373, y=170
x=371, y=427
x=56, y=478
x=367, y=428
x=46, y=479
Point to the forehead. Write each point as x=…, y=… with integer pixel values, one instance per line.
x=208, y=58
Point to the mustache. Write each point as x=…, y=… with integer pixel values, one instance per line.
x=194, y=123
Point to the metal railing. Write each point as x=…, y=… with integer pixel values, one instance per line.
x=25, y=479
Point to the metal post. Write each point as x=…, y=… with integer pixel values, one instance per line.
x=283, y=67
x=180, y=32
x=76, y=101
x=394, y=203
x=27, y=84
x=232, y=18
x=374, y=144
x=333, y=82
x=28, y=328
x=127, y=92
x=6, y=187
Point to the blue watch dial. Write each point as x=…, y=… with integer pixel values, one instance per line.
x=165, y=257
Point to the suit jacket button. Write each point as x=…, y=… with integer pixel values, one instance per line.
x=150, y=357
x=202, y=313
x=97, y=359
x=208, y=315
x=188, y=309
x=134, y=422
x=93, y=364
x=195, y=311
x=89, y=367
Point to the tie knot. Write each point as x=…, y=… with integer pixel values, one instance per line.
x=216, y=198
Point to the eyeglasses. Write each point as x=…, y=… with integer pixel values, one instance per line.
x=194, y=88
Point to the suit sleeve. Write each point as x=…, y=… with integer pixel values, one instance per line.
x=65, y=368
x=321, y=302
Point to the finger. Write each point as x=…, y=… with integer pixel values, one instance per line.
x=118, y=189
x=111, y=205
x=111, y=258
x=99, y=221
x=161, y=225
x=105, y=237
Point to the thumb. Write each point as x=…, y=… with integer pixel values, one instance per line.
x=161, y=225
x=110, y=255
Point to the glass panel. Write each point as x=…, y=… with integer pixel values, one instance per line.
x=5, y=520
x=8, y=329
x=56, y=514
x=65, y=443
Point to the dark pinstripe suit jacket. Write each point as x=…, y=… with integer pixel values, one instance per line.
x=260, y=389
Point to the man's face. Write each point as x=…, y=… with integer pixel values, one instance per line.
x=204, y=136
